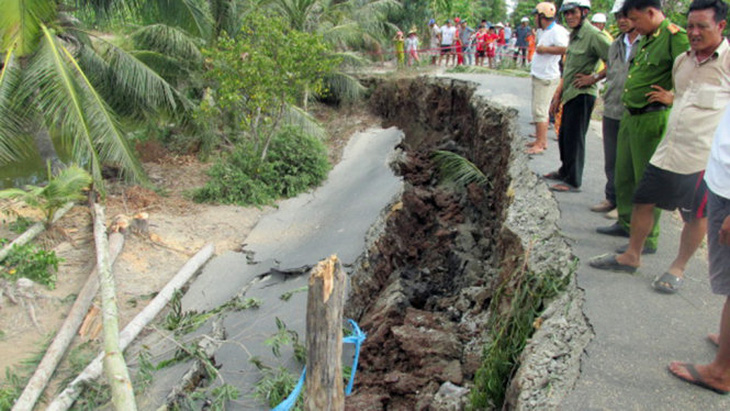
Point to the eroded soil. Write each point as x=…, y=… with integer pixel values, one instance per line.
x=178, y=228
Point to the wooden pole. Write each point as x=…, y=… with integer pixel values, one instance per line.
x=66, y=333
x=114, y=365
x=325, y=302
x=65, y=400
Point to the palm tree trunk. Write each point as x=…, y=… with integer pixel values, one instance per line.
x=47, y=150
x=114, y=365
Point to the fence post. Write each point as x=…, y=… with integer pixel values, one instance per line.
x=325, y=301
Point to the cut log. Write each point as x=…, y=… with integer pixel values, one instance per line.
x=114, y=365
x=325, y=303
x=33, y=231
x=65, y=400
x=65, y=335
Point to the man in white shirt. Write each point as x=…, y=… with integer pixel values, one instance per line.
x=435, y=43
x=674, y=177
x=545, y=71
x=448, y=32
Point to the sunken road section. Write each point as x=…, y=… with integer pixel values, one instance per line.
x=428, y=284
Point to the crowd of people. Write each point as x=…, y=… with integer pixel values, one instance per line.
x=457, y=43
x=666, y=134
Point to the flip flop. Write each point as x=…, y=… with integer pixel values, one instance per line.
x=668, y=283
x=564, y=188
x=608, y=262
x=533, y=151
x=697, y=379
x=553, y=175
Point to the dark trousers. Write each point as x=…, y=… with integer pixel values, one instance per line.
x=610, y=139
x=572, y=138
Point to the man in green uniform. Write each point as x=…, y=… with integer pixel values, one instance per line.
x=645, y=118
x=577, y=92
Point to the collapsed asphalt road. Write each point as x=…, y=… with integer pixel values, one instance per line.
x=638, y=331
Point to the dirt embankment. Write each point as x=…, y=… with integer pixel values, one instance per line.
x=425, y=287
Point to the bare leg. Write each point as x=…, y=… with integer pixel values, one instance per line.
x=642, y=220
x=692, y=235
x=540, y=143
x=717, y=373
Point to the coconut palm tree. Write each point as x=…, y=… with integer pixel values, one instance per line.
x=347, y=25
x=58, y=79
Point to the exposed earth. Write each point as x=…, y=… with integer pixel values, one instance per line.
x=178, y=228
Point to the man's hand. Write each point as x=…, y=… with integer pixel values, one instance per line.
x=583, y=80
x=555, y=105
x=725, y=232
x=660, y=96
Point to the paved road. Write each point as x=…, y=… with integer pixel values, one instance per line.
x=638, y=331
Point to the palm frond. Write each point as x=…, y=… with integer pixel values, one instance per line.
x=166, y=66
x=457, y=169
x=70, y=102
x=66, y=186
x=20, y=24
x=132, y=77
x=298, y=13
x=296, y=116
x=344, y=87
x=14, y=143
x=170, y=41
x=350, y=59
x=344, y=33
x=190, y=15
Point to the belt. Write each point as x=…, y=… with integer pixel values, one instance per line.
x=651, y=107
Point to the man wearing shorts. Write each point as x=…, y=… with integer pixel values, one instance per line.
x=715, y=376
x=435, y=41
x=674, y=177
x=448, y=34
x=545, y=71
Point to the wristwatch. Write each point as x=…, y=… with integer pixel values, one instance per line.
x=595, y=76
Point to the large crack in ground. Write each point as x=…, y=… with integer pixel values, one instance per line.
x=424, y=287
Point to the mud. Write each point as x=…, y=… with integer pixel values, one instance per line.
x=424, y=288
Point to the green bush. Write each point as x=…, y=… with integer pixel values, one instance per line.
x=32, y=262
x=295, y=163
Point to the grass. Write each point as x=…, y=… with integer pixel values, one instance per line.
x=17, y=378
x=525, y=294
x=514, y=72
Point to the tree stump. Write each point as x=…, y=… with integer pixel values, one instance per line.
x=325, y=301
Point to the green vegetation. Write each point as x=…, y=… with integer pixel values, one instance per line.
x=275, y=385
x=65, y=186
x=283, y=337
x=20, y=224
x=31, y=262
x=296, y=163
x=288, y=295
x=17, y=378
x=523, y=297
x=183, y=322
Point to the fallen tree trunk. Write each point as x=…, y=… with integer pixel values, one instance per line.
x=114, y=365
x=33, y=231
x=65, y=400
x=66, y=333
